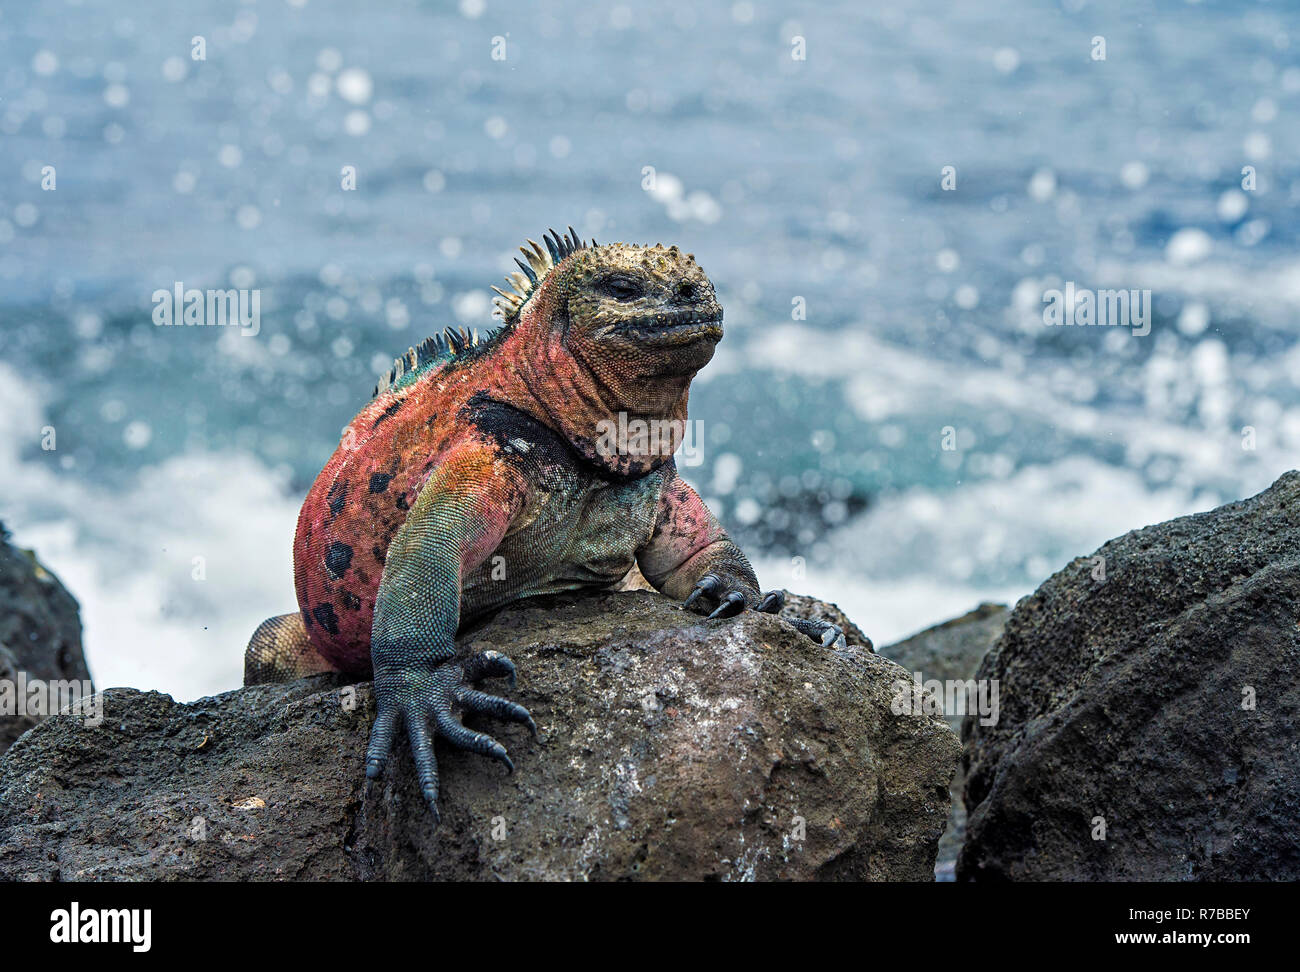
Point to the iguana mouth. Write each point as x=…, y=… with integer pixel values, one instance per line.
x=674, y=327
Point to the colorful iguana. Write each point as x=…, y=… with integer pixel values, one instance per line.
x=483, y=472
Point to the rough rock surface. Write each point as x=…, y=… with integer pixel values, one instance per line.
x=673, y=748
x=1162, y=701
x=952, y=650
x=40, y=630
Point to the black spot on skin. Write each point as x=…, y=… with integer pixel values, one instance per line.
x=338, y=559
x=351, y=601
x=326, y=618
x=506, y=426
x=389, y=412
x=402, y=504
x=336, y=497
x=378, y=553
x=379, y=482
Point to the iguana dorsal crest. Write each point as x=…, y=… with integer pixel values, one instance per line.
x=509, y=305
x=432, y=350
x=537, y=263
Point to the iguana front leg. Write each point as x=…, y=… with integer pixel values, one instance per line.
x=459, y=518
x=690, y=556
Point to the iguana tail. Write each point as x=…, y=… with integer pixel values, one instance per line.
x=280, y=651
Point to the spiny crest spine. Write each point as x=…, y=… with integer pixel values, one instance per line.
x=537, y=263
x=440, y=347
x=455, y=341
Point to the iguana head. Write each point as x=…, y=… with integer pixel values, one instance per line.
x=648, y=306
x=596, y=332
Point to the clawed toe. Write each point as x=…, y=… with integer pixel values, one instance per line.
x=708, y=585
x=729, y=606
x=476, y=742
x=828, y=634
x=488, y=664
x=475, y=701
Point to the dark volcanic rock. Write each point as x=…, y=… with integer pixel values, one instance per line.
x=951, y=651
x=673, y=748
x=1162, y=701
x=40, y=630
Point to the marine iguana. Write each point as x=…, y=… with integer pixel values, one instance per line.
x=483, y=472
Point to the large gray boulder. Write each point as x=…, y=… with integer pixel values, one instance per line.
x=40, y=636
x=1150, y=710
x=673, y=748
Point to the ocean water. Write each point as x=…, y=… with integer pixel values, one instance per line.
x=888, y=423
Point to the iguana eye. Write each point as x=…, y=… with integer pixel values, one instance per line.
x=621, y=288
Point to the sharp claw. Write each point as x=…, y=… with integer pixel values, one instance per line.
x=430, y=795
x=823, y=632
x=772, y=602
x=708, y=584
x=733, y=603
x=499, y=752
x=475, y=701
x=489, y=664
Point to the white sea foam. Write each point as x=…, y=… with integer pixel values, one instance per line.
x=128, y=554
x=928, y=558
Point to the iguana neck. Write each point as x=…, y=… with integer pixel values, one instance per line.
x=627, y=423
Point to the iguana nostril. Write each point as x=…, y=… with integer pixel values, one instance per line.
x=686, y=290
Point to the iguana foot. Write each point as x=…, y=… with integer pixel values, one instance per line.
x=733, y=597
x=826, y=632
x=425, y=701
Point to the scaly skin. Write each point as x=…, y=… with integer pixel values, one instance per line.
x=487, y=473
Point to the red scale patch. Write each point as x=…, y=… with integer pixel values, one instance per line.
x=354, y=509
